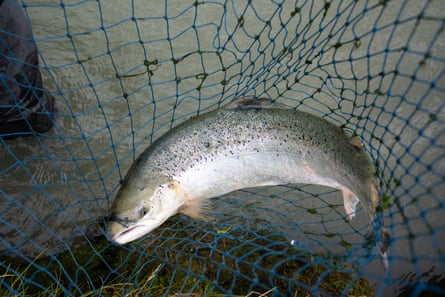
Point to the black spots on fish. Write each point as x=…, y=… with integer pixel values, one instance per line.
x=283, y=142
x=229, y=152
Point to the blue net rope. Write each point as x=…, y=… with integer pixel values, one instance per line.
x=122, y=73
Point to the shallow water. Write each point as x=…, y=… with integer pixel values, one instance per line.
x=109, y=64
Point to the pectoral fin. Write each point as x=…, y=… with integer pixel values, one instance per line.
x=197, y=209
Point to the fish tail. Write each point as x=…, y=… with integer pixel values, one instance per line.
x=385, y=240
x=383, y=243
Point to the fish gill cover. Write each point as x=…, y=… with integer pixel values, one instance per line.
x=116, y=75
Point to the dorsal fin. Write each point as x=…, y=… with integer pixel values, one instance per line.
x=251, y=102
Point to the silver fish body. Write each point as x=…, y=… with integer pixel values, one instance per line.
x=250, y=144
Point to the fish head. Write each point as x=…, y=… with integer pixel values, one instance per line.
x=141, y=207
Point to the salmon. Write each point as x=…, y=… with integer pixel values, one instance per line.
x=249, y=143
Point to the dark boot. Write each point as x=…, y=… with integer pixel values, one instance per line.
x=25, y=106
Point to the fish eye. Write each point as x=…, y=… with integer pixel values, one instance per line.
x=142, y=211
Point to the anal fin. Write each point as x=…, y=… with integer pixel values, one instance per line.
x=350, y=201
x=356, y=142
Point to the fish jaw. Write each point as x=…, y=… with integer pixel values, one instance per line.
x=123, y=234
x=136, y=213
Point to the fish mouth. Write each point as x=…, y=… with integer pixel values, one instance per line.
x=129, y=234
x=123, y=231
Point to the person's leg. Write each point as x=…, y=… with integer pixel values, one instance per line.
x=25, y=105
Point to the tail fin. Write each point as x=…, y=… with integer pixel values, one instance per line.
x=385, y=237
x=384, y=243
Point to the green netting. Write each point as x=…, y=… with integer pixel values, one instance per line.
x=122, y=73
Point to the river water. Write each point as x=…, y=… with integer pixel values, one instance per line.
x=124, y=72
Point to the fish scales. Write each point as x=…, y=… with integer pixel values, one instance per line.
x=294, y=137
x=234, y=148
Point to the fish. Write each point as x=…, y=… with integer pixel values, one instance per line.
x=250, y=142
